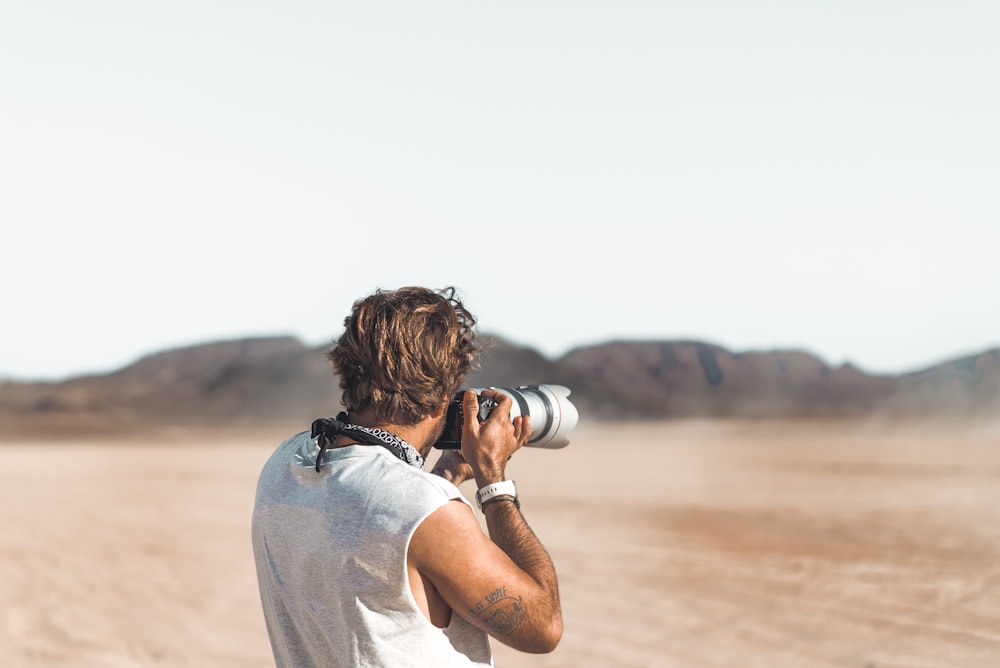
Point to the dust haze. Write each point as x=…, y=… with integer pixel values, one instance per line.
x=690, y=543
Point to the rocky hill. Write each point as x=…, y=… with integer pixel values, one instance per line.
x=280, y=381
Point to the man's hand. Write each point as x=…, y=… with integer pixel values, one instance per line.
x=452, y=467
x=488, y=445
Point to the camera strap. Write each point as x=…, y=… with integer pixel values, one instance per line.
x=326, y=430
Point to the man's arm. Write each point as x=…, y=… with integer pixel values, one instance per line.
x=505, y=584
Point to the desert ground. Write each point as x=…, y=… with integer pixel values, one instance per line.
x=691, y=544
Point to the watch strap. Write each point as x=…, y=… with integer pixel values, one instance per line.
x=502, y=488
x=501, y=497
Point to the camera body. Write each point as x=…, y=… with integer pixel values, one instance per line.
x=552, y=414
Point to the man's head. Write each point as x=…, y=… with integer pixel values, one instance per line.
x=404, y=352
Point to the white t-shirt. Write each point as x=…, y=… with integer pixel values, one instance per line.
x=330, y=549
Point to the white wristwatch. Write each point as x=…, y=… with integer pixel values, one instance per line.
x=504, y=488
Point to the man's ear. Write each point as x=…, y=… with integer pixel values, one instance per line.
x=438, y=412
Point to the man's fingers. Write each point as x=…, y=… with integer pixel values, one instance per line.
x=522, y=430
x=470, y=410
x=504, y=403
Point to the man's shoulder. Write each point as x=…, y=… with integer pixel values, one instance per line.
x=414, y=477
x=297, y=438
x=438, y=483
x=292, y=447
x=422, y=488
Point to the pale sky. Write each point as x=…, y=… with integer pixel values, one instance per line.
x=821, y=176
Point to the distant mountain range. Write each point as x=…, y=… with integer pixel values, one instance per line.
x=280, y=381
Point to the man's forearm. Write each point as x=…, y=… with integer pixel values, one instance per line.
x=510, y=531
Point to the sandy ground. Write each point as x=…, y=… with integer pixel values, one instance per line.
x=691, y=544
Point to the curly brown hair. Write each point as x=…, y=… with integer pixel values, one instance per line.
x=403, y=352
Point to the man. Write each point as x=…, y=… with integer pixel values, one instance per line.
x=363, y=558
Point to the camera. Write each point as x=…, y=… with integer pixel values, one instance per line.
x=552, y=414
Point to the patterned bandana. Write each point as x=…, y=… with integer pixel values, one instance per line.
x=325, y=430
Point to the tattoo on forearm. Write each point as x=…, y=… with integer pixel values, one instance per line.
x=498, y=612
x=438, y=471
